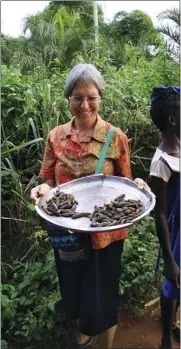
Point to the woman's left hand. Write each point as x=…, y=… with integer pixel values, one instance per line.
x=141, y=184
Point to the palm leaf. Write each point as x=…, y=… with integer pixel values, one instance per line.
x=171, y=29
x=171, y=14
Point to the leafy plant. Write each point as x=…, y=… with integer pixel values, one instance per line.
x=28, y=302
x=138, y=279
x=33, y=74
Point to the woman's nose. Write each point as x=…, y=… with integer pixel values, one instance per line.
x=85, y=104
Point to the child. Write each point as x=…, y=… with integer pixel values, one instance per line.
x=165, y=183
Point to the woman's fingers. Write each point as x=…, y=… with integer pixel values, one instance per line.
x=39, y=191
x=34, y=195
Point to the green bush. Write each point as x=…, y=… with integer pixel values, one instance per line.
x=28, y=302
x=138, y=280
x=32, y=105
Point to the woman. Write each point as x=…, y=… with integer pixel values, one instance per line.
x=165, y=183
x=72, y=151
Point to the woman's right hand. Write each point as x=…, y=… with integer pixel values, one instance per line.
x=39, y=191
x=172, y=273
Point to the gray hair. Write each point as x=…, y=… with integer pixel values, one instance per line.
x=84, y=72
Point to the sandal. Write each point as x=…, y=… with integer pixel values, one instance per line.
x=76, y=345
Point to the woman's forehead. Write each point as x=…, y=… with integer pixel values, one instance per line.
x=85, y=85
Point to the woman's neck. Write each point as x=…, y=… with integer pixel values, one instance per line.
x=170, y=143
x=86, y=124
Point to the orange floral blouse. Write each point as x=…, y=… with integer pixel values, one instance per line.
x=67, y=157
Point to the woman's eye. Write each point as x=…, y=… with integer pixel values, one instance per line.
x=92, y=99
x=78, y=98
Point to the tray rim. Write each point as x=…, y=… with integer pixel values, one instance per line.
x=147, y=192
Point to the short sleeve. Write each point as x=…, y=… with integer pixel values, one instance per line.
x=122, y=164
x=47, y=170
x=160, y=169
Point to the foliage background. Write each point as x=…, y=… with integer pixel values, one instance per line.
x=34, y=69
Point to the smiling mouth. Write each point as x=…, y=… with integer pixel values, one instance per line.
x=85, y=113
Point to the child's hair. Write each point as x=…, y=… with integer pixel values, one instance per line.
x=165, y=101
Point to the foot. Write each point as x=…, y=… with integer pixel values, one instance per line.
x=76, y=345
x=176, y=331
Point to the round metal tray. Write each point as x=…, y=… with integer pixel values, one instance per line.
x=96, y=190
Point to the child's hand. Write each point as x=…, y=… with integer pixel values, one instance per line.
x=172, y=273
x=141, y=184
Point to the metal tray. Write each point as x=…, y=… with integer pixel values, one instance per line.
x=96, y=190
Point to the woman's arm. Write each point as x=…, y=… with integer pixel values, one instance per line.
x=122, y=164
x=47, y=172
x=159, y=188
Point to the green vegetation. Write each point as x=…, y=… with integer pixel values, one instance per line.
x=33, y=74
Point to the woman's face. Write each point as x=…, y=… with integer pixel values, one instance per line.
x=84, y=101
x=177, y=123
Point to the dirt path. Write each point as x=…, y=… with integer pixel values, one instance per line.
x=139, y=333
x=142, y=333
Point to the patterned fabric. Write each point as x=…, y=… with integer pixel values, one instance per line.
x=68, y=157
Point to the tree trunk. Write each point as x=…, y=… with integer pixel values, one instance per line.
x=96, y=28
